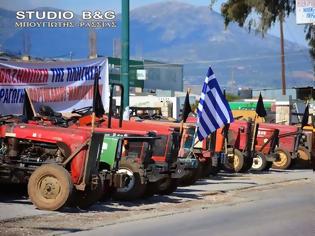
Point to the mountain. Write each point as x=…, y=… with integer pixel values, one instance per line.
x=178, y=33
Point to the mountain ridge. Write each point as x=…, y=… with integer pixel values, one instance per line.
x=178, y=33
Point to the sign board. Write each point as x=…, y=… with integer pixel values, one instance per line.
x=141, y=74
x=305, y=11
x=63, y=86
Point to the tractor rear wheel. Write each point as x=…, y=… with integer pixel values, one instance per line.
x=208, y=169
x=284, y=161
x=135, y=189
x=192, y=176
x=167, y=186
x=259, y=162
x=85, y=199
x=50, y=187
x=234, y=160
x=304, y=158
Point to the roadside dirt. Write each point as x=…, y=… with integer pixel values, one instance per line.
x=107, y=213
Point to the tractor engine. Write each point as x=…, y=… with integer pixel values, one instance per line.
x=18, y=158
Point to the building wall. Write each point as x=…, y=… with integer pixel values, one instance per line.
x=163, y=76
x=275, y=94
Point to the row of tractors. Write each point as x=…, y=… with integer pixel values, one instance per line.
x=77, y=160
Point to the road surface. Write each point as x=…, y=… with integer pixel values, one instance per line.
x=269, y=203
x=286, y=210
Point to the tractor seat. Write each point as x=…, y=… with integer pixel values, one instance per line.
x=48, y=111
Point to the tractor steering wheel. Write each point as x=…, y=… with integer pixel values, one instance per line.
x=6, y=117
x=82, y=111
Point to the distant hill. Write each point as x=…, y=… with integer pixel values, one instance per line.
x=178, y=33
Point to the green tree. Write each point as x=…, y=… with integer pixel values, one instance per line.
x=260, y=15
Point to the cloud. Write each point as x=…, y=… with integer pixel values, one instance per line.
x=305, y=75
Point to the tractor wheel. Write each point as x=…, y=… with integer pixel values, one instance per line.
x=208, y=169
x=259, y=162
x=303, y=160
x=135, y=189
x=234, y=161
x=192, y=176
x=167, y=186
x=268, y=166
x=151, y=189
x=50, y=187
x=85, y=199
x=284, y=161
x=248, y=162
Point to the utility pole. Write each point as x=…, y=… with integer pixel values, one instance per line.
x=92, y=44
x=124, y=78
x=282, y=55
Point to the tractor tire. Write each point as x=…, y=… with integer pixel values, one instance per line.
x=167, y=186
x=235, y=161
x=268, y=166
x=192, y=176
x=88, y=197
x=259, y=162
x=208, y=169
x=303, y=161
x=151, y=189
x=50, y=187
x=285, y=159
x=248, y=162
x=135, y=189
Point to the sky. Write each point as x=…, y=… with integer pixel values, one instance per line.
x=292, y=31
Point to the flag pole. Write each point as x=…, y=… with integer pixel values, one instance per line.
x=254, y=134
x=30, y=101
x=93, y=122
x=182, y=122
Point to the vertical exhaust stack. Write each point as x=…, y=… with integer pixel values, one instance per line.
x=110, y=114
x=125, y=55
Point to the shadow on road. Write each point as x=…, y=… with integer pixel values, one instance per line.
x=64, y=230
x=13, y=193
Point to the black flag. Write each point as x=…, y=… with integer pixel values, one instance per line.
x=260, y=108
x=186, y=108
x=98, y=107
x=28, y=112
x=305, y=116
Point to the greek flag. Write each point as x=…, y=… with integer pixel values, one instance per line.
x=213, y=109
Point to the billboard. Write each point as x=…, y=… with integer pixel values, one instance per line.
x=64, y=86
x=305, y=11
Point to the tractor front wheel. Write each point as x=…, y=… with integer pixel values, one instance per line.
x=167, y=186
x=284, y=161
x=303, y=160
x=260, y=162
x=192, y=176
x=234, y=161
x=134, y=189
x=151, y=189
x=50, y=187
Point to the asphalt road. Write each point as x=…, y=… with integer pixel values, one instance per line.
x=268, y=203
x=285, y=210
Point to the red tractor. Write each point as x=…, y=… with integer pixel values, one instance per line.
x=209, y=151
x=160, y=176
x=199, y=158
x=250, y=147
x=60, y=165
x=291, y=144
